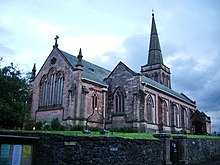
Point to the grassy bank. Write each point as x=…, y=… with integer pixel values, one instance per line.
x=110, y=134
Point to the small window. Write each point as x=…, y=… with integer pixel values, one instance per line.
x=91, y=69
x=53, y=60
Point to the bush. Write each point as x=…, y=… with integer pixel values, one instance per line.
x=46, y=126
x=55, y=124
x=78, y=127
x=38, y=125
x=95, y=129
x=183, y=131
x=124, y=129
x=29, y=124
x=62, y=128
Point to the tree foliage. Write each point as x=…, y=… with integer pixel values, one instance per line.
x=14, y=96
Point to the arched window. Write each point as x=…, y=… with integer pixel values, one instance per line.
x=156, y=76
x=163, y=77
x=187, y=118
x=94, y=101
x=43, y=91
x=166, y=113
x=177, y=116
x=52, y=77
x=167, y=81
x=51, y=89
x=149, y=106
x=59, y=88
x=119, y=97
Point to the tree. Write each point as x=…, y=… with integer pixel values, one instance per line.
x=14, y=96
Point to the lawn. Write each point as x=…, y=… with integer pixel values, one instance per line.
x=111, y=134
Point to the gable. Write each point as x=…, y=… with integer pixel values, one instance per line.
x=54, y=60
x=121, y=68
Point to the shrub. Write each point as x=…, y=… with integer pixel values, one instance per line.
x=38, y=125
x=183, y=131
x=55, y=124
x=29, y=124
x=95, y=129
x=124, y=129
x=78, y=127
x=46, y=126
x=62, y=128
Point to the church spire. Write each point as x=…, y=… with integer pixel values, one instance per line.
x=155, y=69
x=154, y=54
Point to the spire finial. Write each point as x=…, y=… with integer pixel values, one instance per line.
x=152, y=12
x=33, y=74
x=56, y=38
x=80, y=52
x=79, y=62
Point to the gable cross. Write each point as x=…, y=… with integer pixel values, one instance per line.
x=56, y=38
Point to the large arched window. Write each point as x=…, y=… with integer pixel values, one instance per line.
x=43, y=91
x=149, y=106
x=119, y=97
x=59, y=88
x=51, y=89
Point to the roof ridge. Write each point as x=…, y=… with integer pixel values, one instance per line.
x=166, y=89
x=86, y=61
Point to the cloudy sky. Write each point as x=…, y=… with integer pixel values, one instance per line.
x=118, y=30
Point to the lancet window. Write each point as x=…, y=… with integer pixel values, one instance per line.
x=166, y=113
x=119, y=97
x=149, y=106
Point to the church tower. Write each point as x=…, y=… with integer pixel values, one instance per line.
x=155, y=69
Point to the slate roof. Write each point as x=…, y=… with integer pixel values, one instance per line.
x=98, y=74
x=166, y=89
x=91, y=71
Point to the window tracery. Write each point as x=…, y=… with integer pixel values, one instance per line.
x=51, y=89
x=119, y=97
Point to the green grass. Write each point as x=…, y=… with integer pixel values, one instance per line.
x=202, y=136
x=79, y=133
x=110, y=134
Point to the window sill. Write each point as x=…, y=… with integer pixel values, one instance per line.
x=119, y=114
x=50, y=108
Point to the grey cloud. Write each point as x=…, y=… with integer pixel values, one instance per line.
x=136, y=51
x=6, y=51
x=135, y=54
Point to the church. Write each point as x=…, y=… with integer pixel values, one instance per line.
x=76, y=92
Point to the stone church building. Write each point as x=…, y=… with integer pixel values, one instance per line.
x=76, y=91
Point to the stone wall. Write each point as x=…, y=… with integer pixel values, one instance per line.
x=201, y=150
x=56, y=149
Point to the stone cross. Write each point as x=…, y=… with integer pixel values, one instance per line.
x=56, y=38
